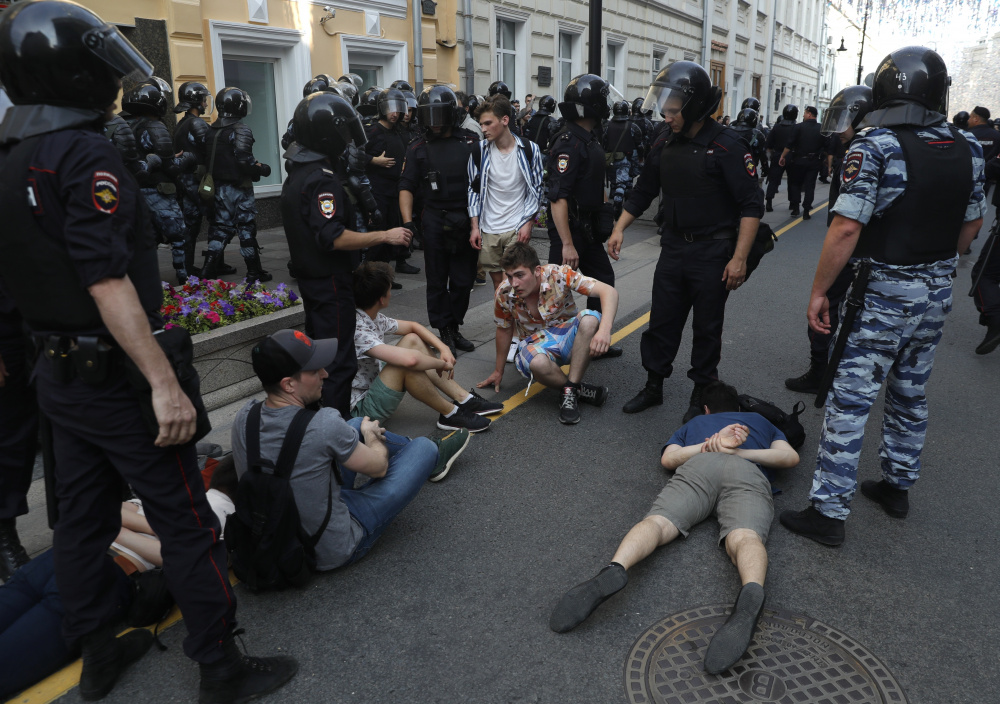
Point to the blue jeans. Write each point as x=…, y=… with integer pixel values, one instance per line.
x=379, y=501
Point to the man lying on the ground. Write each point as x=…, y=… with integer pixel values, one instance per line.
x=538, y=301
x=291, y=366
x=387, y=372
x=721, y=461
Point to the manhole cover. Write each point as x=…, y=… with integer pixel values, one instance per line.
x=792, y=659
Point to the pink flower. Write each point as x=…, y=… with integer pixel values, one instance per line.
x=212, y=317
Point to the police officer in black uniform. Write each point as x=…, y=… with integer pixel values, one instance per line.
x=746, y=127
x=641, y=117
x=803, y=157
x=777, y=139
x=437, y=167
x=501, y=88
x=144, y=109
x=961, y=120
x=711, y=207
x=194, y=100
x=539, y=127
x=982, y=129
x=840, y=122
x=319, y=221
x=576, y=184
x=80, y=265
x=229, y=150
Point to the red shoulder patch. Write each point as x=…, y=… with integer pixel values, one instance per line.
x=852, y=166
x=327, y=205
x=750, y=165
x=104, y=191
x=562, y=163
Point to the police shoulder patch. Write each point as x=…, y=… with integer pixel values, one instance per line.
x=750, y=165
x=327, y=205
x=852, y=165
x=562, y=163
x=104, y=191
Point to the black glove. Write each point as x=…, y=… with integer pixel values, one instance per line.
x=265, y=170
x=412, y=227
x=376, y=221
x=153, y=162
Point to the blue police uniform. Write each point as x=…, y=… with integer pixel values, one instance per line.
x=81, y=223
x=911, y=188
x=189, y=136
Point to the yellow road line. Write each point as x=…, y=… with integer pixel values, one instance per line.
x=793, y=223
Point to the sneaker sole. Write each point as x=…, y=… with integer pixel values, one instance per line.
x=489, y=413
x=444, y=426
x=449, y=463
x=569, y=422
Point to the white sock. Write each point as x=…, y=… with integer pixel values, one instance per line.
x=465, y=400
x=454, y=410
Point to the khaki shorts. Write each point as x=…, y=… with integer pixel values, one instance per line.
x=730, y=487
x=379, y=403
x=493, y=248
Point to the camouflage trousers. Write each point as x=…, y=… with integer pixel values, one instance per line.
x=235, y=214
x=893, y=340
x=168, y=223
x=620, y=174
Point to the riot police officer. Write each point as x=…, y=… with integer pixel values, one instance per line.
x=229, y=150
x=437, y=168
x=121, y=135
x=622, y=140
x=711, y=207
x=961, y=120
x=501, y=88
x=911, y=198
x=803, y=156
x=982, y=129
x=539, y=127
x=777, y=140
x=194, y=100
x=144, y=108
x=642, y=120
x=840, y=121
x=746, y=127
x=78, y=262
x=319, y=221
x=576, y=184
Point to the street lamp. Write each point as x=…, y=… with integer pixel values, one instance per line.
x=842, y=47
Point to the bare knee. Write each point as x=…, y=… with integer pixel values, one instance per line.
x=540, y=364
x=589, y=324
x=412, y=341
x=665, y=530
x=740, y=539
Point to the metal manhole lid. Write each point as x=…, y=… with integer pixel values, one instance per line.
x=793, y=659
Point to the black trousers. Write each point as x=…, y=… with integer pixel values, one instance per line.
x=100, y=439
x=450, y=263
x=329, y=309
x=18, y=421
x=987, y=293
x=594, y=260
x=387, y=197
x=774, y=174
x=802, y=175
x=819, y=343
x=688, y=277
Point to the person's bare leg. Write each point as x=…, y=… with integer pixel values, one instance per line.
x=645, y=536
x=749, y=555
x=579, y=358
x=547, y=372
x=497, y=277
x=448, y=386
x=418, y=385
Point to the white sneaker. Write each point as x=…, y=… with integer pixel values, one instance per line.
x=512, y=352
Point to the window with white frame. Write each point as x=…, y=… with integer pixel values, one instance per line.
x=507, y=53
x=615, y=63
x=567, y=54
x=657, y=61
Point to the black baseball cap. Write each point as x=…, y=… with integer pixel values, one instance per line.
x=288, y=352
x=982, y=112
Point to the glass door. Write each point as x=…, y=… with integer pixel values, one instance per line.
x=256, y=77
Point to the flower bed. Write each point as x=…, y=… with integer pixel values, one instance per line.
x=201, y=305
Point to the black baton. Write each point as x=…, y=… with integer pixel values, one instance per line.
x=855, y=302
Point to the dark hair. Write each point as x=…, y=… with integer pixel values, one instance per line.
x=496, y=104
x=519, y=254
x=811, y=110
x=372, y=280
x=462, y=98
x=720, y=397
x=224, y=477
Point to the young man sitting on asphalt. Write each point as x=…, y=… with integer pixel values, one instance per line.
x=720, y=460
x=388, y=372
x=538, y=301
x=291, y=366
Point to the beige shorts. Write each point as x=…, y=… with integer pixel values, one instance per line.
x=493, y=248
x=732, y=488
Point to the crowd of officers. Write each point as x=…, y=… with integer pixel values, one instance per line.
x=368, y=173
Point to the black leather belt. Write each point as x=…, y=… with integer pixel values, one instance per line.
x=725, y=234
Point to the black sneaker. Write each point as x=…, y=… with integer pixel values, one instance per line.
x=480, y=406
x=592, y=394
x=449, y=448
x=463, y=419
x=795, y=212
x=806, y=215
x=611, y=353
x=569, y=410
x=814, y=525
x=396, y=286
x=238, y=678
x=893, y=500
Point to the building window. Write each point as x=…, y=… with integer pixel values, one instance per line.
x=507, y=54
x=717, y=71
x=567, y=54
x=378, y=61
x=256, y=77
x=615, y=62
x=657, y=61
x=755, y=87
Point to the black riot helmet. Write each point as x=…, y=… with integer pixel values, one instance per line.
x=586, y=96
x=751, y=103
x=148, y=98
x=748, y=117
x=391, y=101
x=847, y=109
x=233, y=103
x=55, y=52
x=790, y=112
x=499, y=87
x=368, y=107
x=325, y=122
x=961, y=120
x=637, y=106
x=349, y=91
x=321, y=81
x=621, y=110
x=402, y=85
x=547, y=105
x=193, y=95
x=354, y=78
x=688, y=88
x=473, y=102
x=913, y=73
x=411, y=99
x=437, y=106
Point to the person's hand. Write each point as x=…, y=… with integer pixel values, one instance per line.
x=3, y=373
x=781, y=161
x=735, y=273
x=732, y=436
x=412, y=227
x=476, y=239
x=715, y=444
x=819, y=314
x=384, y=161
x=599, y=343
x=492, y=380
x=615, y=244
x=372, y=431
x=570, y=257
x=174, y=414
x=398, y=236
x=524, y=232
x=448, y=370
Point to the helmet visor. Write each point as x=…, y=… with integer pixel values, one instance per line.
x=394, y=105
x=354, y=130
x=109, y=45
x=436, y=115
x=667, y=100
x=837, y=118
x=249, y=104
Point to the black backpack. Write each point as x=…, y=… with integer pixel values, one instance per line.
x=787, y=423
x=266, y=542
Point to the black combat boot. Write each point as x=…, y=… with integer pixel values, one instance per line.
x=105, y=658
x=12, y=553
x=892, y=499
x=211, y=268
x=651, y=395
x=254, y=270
x=223, y=268
x=461, y=342
x=448, y=339
x=695, y=406
x=809, y=382
x=238, y=678
x=768, y=207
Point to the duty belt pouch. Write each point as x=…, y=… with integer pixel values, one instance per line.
x=92, y=360
x=206, y=187
x=56, y=350
x=166, y=188
x=176, y=345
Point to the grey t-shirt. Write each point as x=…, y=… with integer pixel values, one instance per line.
x=327, y=438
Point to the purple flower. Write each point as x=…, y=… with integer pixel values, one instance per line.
x=228, y=309
x=204, y=307
x=292, y=297
x=185, y=310
x=279, y=304
x=194, y=280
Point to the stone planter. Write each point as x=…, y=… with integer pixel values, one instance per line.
x=222, y=357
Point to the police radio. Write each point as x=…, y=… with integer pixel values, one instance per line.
x=434, y=179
